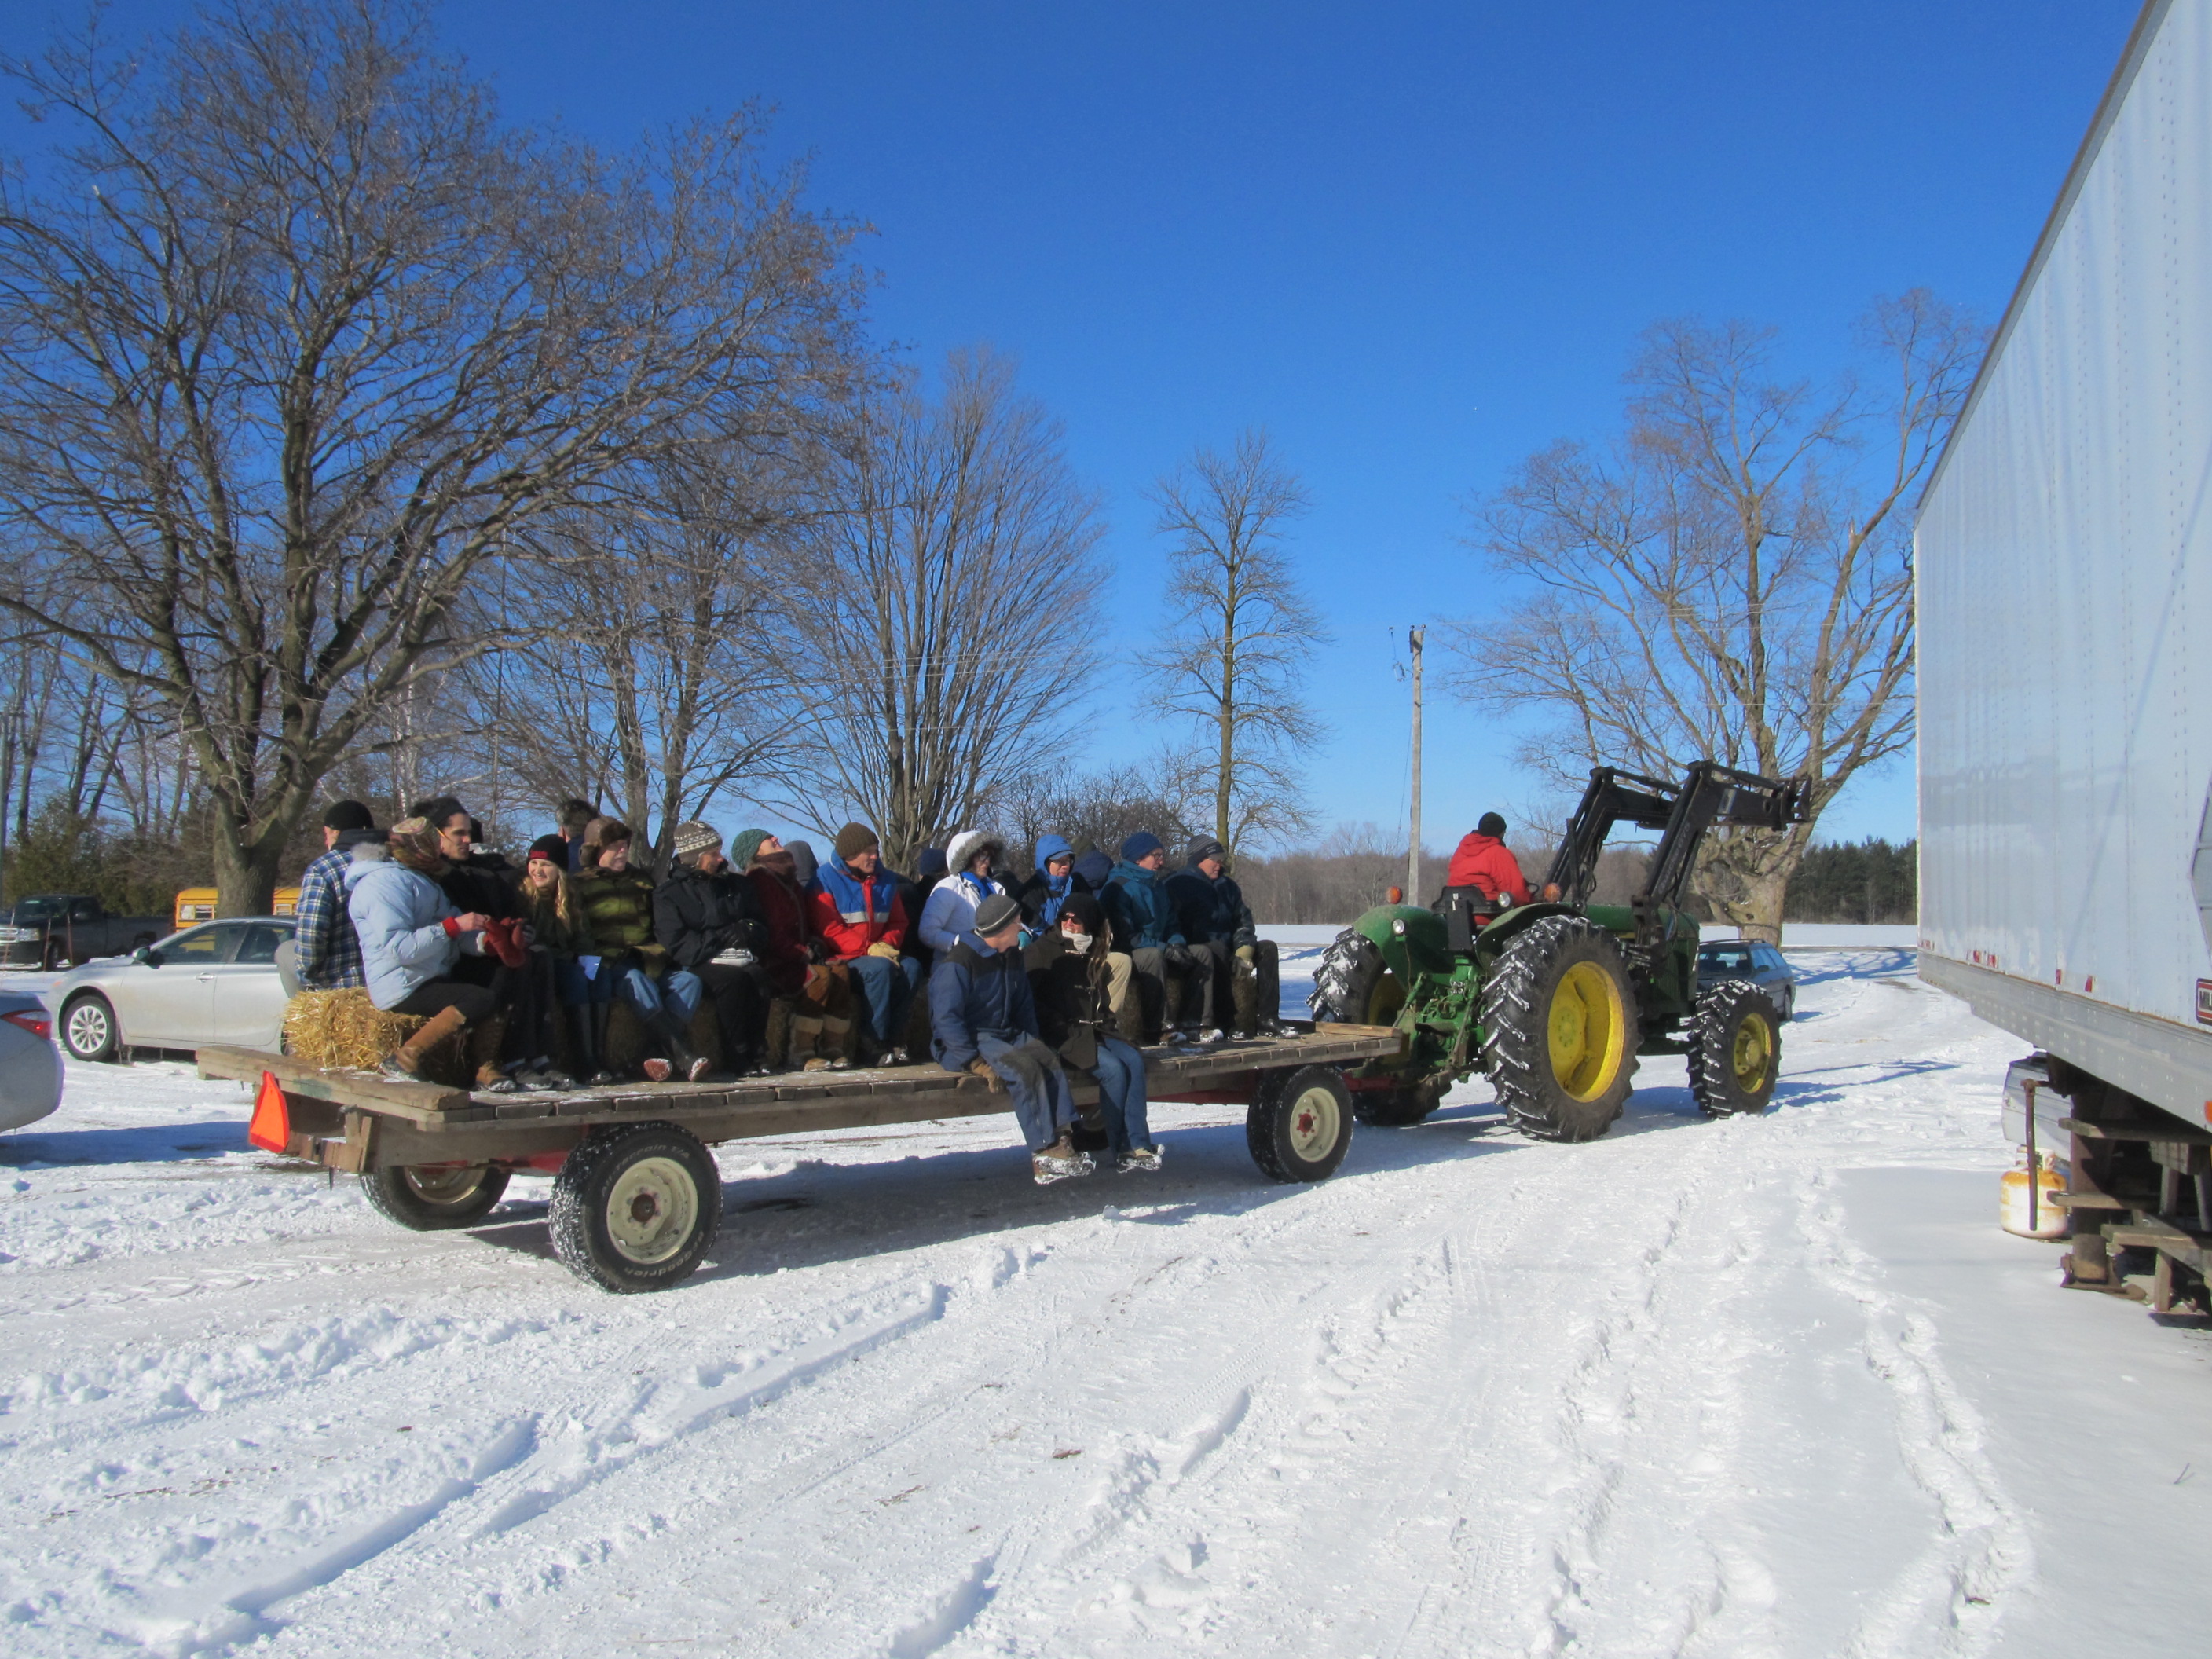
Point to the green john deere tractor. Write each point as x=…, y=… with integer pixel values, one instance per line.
x=1553, y=1000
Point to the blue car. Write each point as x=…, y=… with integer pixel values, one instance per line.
x=1762, y=964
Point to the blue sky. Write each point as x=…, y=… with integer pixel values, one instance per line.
x=1416, y=242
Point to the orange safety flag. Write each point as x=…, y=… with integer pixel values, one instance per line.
x=271, y=1127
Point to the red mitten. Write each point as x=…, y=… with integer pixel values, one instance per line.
x=504, y=935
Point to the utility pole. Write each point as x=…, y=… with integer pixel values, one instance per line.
x=1413, y=638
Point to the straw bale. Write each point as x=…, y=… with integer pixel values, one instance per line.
x=342, y=1030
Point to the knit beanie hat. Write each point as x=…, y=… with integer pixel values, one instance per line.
x=930, y=861
x=692, y=837
x=1084, y=909
x=1142, y=845
x=348, y=815
x=414, y=842
x=605, y=832
x=1203, y=848
x=1489, y=824
x=745, y=845
x=552, y=848
x=855, y=839
x=994, y=912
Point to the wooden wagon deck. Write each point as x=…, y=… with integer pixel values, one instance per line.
x=359, y=1121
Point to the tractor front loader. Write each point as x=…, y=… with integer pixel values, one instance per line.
x=1553, y=1000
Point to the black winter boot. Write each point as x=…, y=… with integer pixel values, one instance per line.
x=592, y=1035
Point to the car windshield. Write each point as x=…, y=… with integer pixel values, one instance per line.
x=200, y=945
x=33, y=911
x=1730, y=955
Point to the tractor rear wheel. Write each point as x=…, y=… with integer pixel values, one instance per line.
x=1354, y=986
x=1394, y=1108
x=1735, y=1049
x=1559, y=1031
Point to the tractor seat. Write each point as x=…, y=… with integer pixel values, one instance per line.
x=1465, y=910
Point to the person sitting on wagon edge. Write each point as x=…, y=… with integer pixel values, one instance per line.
x=1136, y=901
x=857, y=910
x=1210, y=909
x=1071, y=981
x=982, y=1019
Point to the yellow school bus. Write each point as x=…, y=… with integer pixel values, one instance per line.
x=197, y=904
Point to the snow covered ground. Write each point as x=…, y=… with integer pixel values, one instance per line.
x=1762, y=1386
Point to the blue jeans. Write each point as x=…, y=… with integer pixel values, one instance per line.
x=887, y=988
x=676, y=994
x=1043, y=1105
x=1121, y=1074
x=678, y=991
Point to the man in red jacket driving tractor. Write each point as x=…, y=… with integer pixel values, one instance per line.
x=1485, y=863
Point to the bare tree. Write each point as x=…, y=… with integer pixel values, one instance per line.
x=647, y=678
x=296, y=336
x=1238, y=634
x=939, y=614
x=1732, y=579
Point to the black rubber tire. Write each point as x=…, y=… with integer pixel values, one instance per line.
x=1521, y=999
x=1393, y=1109
x=669, y=1173
x=434, y=1200
x=88, y=1029
x=1354, y=986
x=1729, y=1080
x=1299, y=1124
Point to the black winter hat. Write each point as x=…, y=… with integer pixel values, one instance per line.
x=1203, y=848
x=994, y=912
x=1489, y=824
x=1084, y=909
x=348, y=815
x=552, y=848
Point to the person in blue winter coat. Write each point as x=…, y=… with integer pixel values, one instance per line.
x=1095, y=867
x=411, y=936
x=983, y=1020
x=949, y=910
x=1136, y=902
x=1051, y=884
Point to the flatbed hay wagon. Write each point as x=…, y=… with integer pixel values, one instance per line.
x=636, y=1197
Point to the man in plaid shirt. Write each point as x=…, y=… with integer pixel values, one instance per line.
x=326, y=949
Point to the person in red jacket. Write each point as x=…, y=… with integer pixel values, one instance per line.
x=859, y=914
x=1486, y=864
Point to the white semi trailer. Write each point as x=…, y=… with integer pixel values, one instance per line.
x=2064, y=565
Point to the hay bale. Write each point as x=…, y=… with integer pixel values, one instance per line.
x=343, y=1030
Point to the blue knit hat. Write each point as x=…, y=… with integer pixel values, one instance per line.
x=1140, y=845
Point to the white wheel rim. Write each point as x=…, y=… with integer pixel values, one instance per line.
x=88, y=1029
x=651, y=1210
x=1315, y=1122
x=445, y=1187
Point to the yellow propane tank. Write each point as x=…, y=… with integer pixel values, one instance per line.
x=2051, y=1221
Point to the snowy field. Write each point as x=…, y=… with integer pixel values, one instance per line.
x=1763, y=1386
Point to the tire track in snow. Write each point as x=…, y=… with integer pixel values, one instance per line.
x=1950, y=1600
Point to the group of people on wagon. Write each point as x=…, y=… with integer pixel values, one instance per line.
x=1062, y=977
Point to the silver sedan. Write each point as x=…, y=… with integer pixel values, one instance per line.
x=30, y=1070
x=221, y=982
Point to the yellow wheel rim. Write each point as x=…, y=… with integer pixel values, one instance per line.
x=1386, y=1001
x=1588, y=1030
x=1754, y=1047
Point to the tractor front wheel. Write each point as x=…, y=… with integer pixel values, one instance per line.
x=1559, y=1019
x=1735, y=1050
x=1354, y=986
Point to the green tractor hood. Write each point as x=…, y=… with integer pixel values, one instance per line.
x=1411, y=938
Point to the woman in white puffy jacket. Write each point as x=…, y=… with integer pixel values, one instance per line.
x=950, y=910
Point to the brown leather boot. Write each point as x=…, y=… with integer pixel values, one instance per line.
x=406, y=1061
x=484, y=1044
